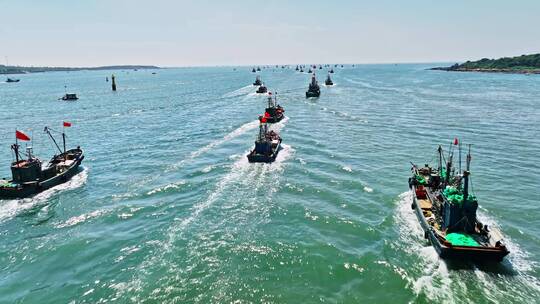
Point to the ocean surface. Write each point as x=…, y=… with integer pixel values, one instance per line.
x=166, y=208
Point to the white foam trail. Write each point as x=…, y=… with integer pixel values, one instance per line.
x=167, y=187
x=435, y=279
x=241, y=172
x=80, y=219
x=235, y=133
x=346, y=168
x=11, y=208
x=239, y=92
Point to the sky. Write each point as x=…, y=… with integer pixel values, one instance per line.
x=212, y=32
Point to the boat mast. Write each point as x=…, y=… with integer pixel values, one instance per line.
x=440, y=158
x=15, y=147
x=466, y=174
x=47, y=130
x=448, y=168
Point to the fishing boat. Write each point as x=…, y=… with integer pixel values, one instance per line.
x=301, y=70
x=262, y=89
x=267, y=144
x=253, y=70
x=328, y=81
x=297, y=68
x=258, y=81
x=310, y=71
x=12, y=80
x=30, y=176
x=314, y=90
x=69, y=97
x=331, y=71
x=258, y=69
x=273, y=112
x=446, y=209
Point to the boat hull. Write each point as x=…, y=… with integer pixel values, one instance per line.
x=451, y=252
x=263, y=158
x=29, y=189
x=310, y=94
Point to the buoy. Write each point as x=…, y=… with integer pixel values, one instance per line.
x=113, y=83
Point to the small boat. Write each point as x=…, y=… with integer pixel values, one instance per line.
x=297, y=69
x=30, y=176
x=331, y=71
x=253, y=70
x=310, y=71
x=258, y=69
x=273, y=112
x=258, y=81
x=12, y=80
x=267, y=145
x=446, y=209
x=262, y=89
x=320, y=67
x=314, y=90
x=70, y=97
x=301, y=71
x=328, y=81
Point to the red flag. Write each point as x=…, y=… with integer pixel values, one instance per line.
x=455, y=141
x=67, y=124
x=20, y=135
x=263, y=119
x=266, y=114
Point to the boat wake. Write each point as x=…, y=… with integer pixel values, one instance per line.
x=441, y=281
x=229, y=200
x=240, y=92
x=233, y=134
x=11, y=208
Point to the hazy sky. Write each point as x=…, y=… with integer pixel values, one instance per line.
x=205, y=32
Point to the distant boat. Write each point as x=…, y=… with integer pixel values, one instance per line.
x=331, y=71
x=328, y=81
x=253, y=70
x=314, y=90
x=310, y=71
x=267, y=144
x=273, y=112
x=70, y=97
x=262, y=89
x=12, y=80
x=258, y=69
x=258, y=81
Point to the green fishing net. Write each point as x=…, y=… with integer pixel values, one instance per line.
x=461, y=239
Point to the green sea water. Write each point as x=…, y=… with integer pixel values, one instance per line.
x=166, y=208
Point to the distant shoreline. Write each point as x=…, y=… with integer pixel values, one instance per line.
x=483, y=70
x=524, y=64
x=7, y=70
